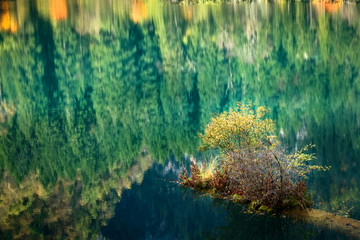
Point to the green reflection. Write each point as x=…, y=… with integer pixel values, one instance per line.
x=86, y=86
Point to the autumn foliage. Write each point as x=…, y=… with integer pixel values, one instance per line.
x=58, y=9
x=138, y=11
x=253, y=165
x=8, y=21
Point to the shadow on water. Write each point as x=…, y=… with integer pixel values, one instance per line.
x=159, y=209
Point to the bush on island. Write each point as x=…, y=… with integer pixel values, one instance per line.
x=253, y=167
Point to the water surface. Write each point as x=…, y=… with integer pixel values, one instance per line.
x=101, y=101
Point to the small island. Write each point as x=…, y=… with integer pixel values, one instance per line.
x=253, y=167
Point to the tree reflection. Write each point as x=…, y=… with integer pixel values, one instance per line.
x=82, y=97
x=70, y=209
x=138, y=11
x=58, y=10
x=8, y=20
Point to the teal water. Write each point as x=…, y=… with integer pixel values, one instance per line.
x=100, y=101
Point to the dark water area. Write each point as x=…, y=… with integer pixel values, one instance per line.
x=165, y=211
x=102, y=101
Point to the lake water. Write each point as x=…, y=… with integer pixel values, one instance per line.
x=102, y=101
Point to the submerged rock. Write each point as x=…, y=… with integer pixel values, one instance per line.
x=327, y=220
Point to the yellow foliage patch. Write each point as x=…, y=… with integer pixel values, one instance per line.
x=242, y=127
x=58, y=10
x=138, y=11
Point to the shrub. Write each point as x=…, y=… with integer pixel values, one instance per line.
x=242, y=128
x=202, y=174
x=253, y=164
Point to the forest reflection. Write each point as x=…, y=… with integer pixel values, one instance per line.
x=93, y=92
x=70, y=209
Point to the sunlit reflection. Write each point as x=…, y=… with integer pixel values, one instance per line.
x=138, y=11
x=8, y=20
x=331, y=7
x=58, y=9
x=187, y=12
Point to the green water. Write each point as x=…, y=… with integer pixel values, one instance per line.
x=99, y=99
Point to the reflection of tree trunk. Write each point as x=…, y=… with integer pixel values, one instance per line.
x=9, y=187
x=22, y=11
